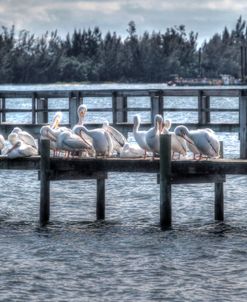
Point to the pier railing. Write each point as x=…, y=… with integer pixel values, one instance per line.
x=119, y=110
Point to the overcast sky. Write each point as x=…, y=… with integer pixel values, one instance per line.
x=205, y=17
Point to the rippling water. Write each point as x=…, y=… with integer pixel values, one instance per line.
x=127, y=257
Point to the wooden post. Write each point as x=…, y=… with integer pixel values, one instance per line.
x=119, y=108
x=219, y=201
x=100, y=203
x=3, y=110
x=74, y=103
x=33, y=109
x=44, y=182
x=243, y=124
x=165, y=181
x=156, y=105
x=203, y=108
x=219, y=194
x=42, y=106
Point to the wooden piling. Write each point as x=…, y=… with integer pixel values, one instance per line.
x=74, y=103
x=203, y=108
x=44, y=182
x=156, y=105
x=219, y=193
x=119, y=108
x=165, y=181
x=243, y=124
x=100, y=202
x=42, y=107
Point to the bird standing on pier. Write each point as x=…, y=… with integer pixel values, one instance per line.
x=117, y=138
x=153, y=134
x=140, y=136
x=101, y=139
x=202, y=141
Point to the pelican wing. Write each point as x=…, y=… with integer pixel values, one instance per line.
x=27, y=138
x=116, y=136
x=73, y=142
x=214, y=143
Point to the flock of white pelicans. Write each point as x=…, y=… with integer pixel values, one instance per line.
x=108, y=142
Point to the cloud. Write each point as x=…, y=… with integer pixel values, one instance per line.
x=205, y=17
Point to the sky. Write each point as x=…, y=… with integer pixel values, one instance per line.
x=203, y=17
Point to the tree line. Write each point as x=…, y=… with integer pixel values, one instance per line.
x=87, y=55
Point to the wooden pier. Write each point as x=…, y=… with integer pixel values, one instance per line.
x=170, y=171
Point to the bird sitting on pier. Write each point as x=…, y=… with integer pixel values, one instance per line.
x=101, y=139
x=24, y=136
x=19, y=148
x=140, y=136
x=3, y=145
x=201, y=141
x=131, y=150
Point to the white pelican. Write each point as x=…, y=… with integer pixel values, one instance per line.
x=24, y=136
x=140, y=136
x=2, y=142
x=118, y=139
x=81, y=112
x=46, y=132
x=101, y=139
x=131, y=150
x=3, y=145
x=153, y=134
x=178, y=143
x=56, y=120
x=71, y=142
x=203, y=141
x=19, y=148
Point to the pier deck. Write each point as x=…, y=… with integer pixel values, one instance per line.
x=92, y=165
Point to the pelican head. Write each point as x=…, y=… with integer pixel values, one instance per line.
x=16, y=130
x=137, y=120
x=158, y=122
x=82, y=110
x=56, y=120
x=181, y=131
x=167, y=124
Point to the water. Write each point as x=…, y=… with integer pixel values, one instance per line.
x=127, y=257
